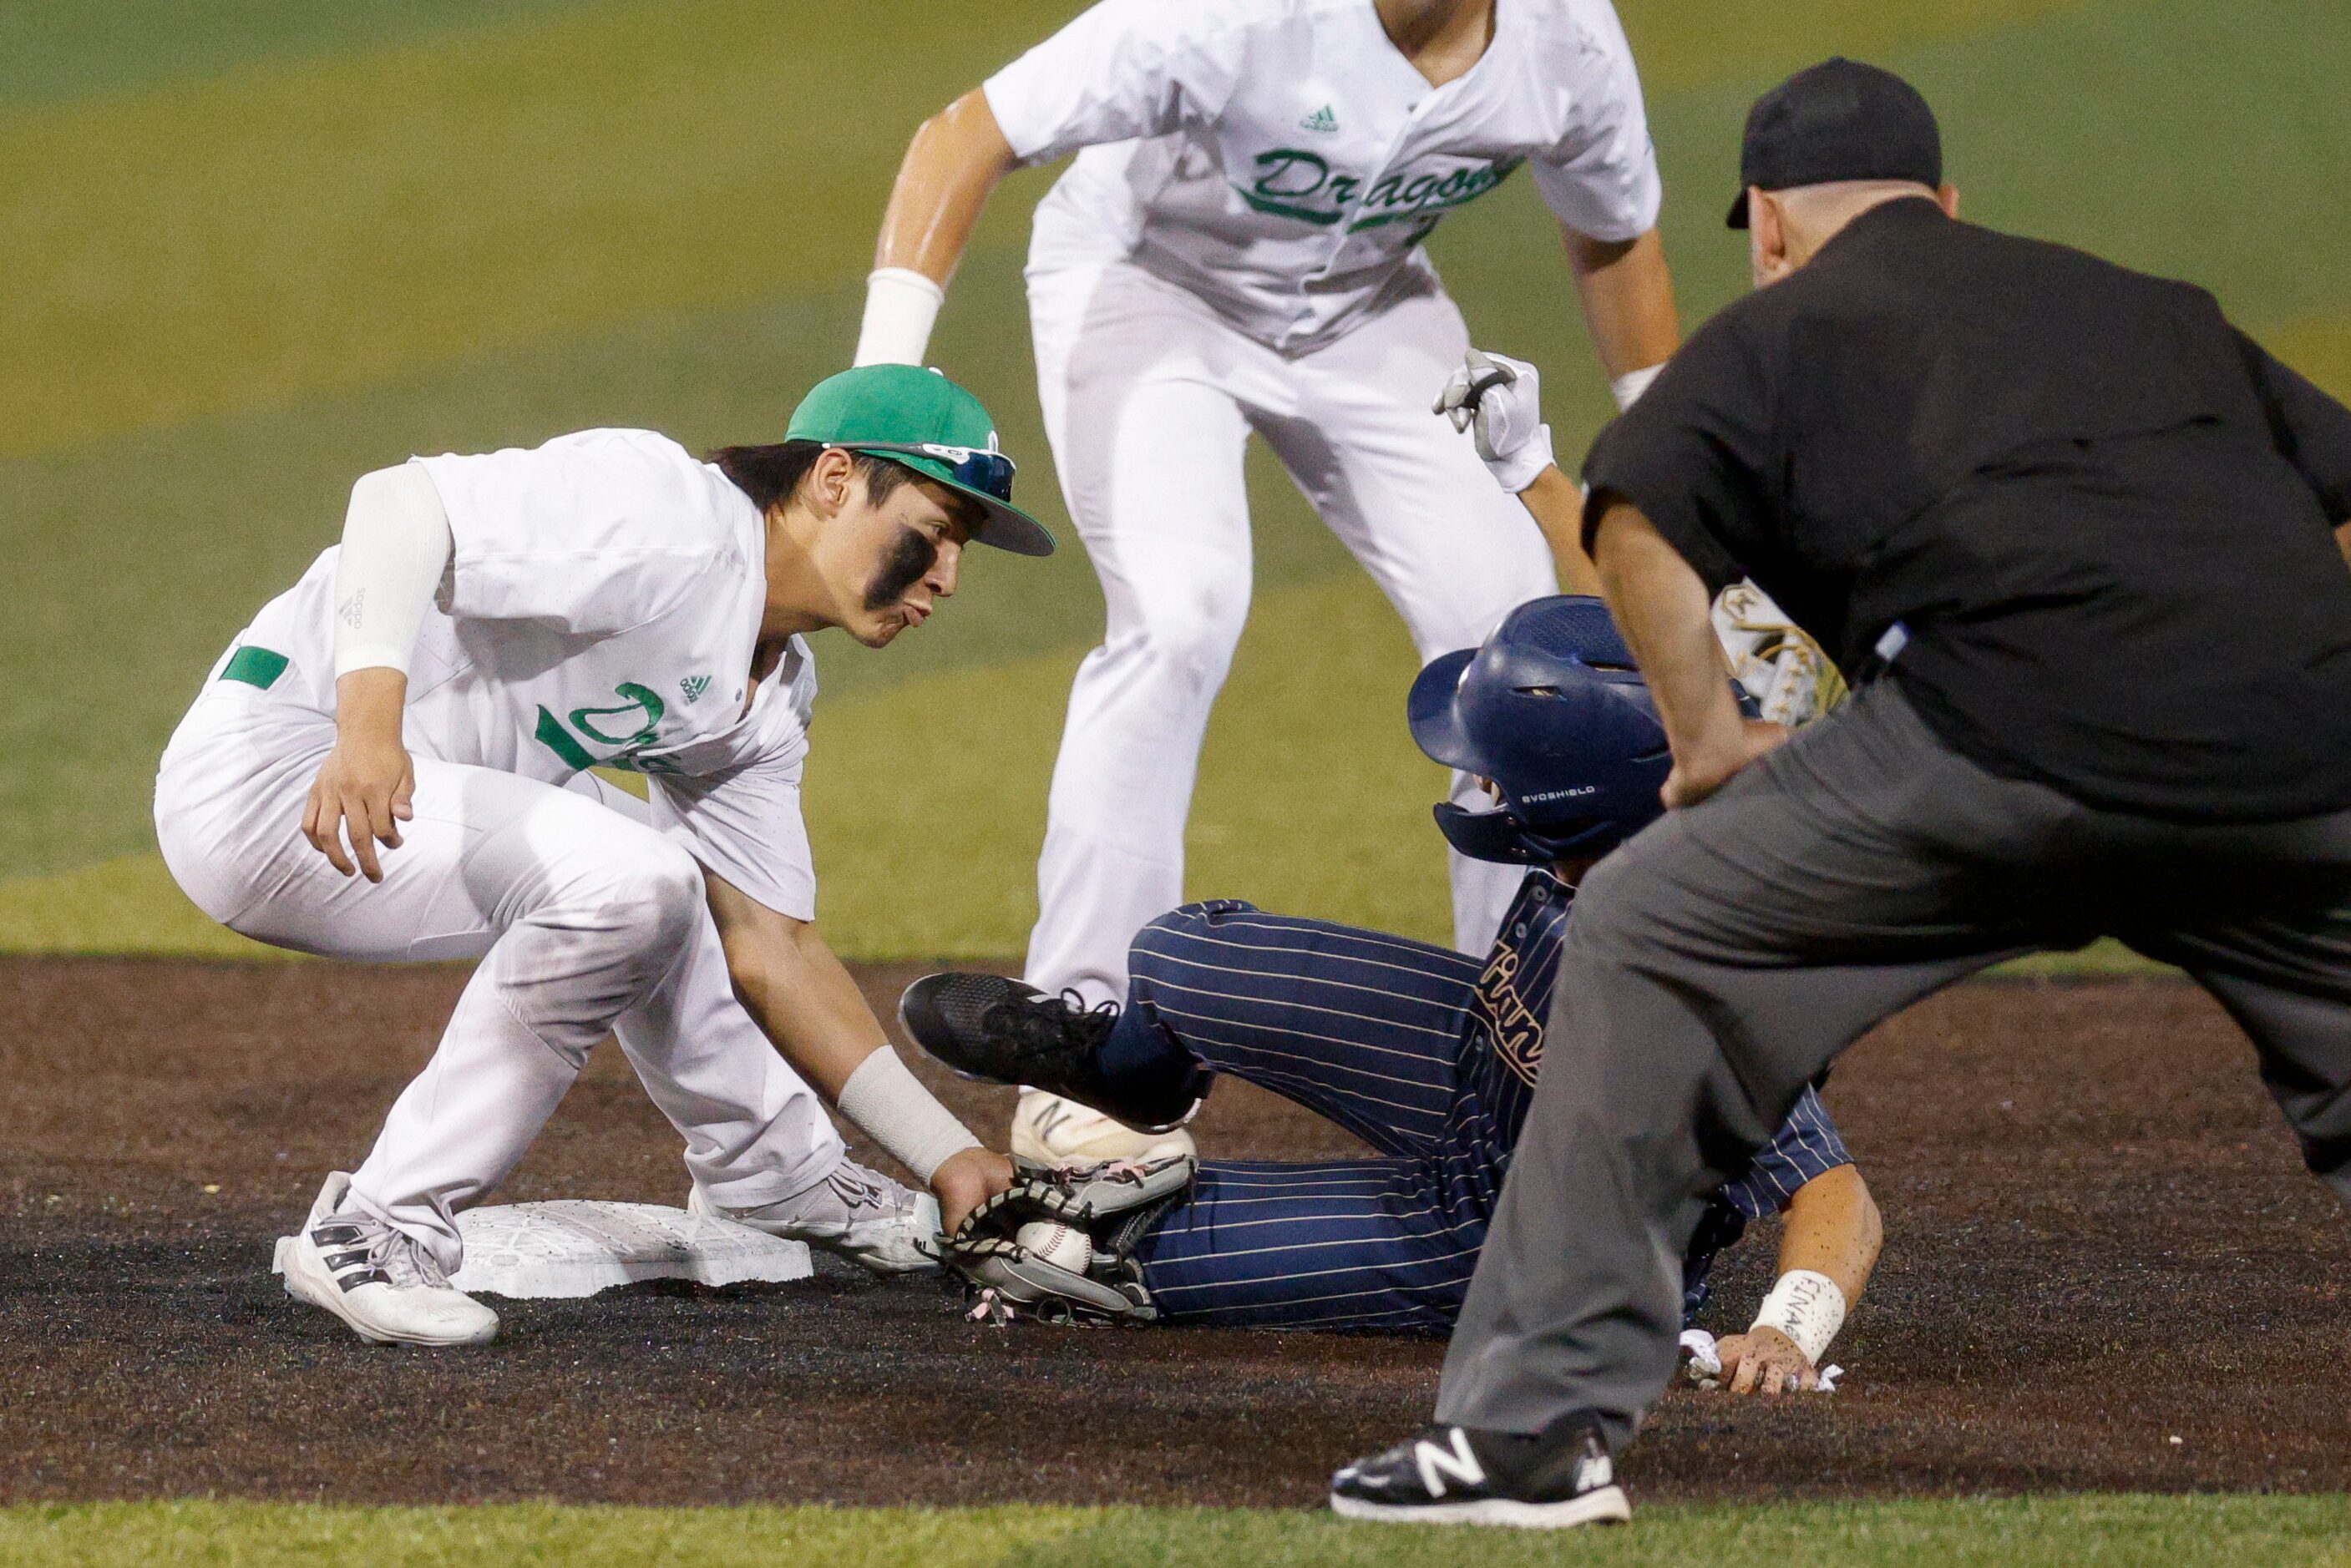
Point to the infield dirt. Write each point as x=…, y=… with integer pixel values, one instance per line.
x=2105, y=1269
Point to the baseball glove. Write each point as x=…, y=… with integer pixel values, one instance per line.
x=1109, y=1206
x=1791, y=681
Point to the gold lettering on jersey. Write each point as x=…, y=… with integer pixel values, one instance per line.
x=1517, y=1032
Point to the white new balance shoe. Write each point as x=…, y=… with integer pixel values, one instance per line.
x=1050, y=1130
x=860, y=1214
x=380, y=1281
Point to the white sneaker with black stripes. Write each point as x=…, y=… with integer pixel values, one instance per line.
x=380, y=1282
x=1455, y=1475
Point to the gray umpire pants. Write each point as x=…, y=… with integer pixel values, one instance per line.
x=1721, y=959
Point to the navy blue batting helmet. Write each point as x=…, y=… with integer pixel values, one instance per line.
x=1552, y=710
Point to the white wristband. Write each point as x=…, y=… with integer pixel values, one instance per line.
x=1806, y=1306
x=902, y=306
x=892, y=1108
x=1629, y=388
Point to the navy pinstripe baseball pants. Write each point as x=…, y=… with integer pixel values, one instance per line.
x=1425, y=1054
x=1364, y=1028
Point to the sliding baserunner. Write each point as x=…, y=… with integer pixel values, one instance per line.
x=1429, y=1056
x=392, y=761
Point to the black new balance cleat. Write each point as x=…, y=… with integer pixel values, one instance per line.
x=1454, y=1475
x=1002, y=1032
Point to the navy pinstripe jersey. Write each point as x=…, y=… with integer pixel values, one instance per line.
x=1513, y=1006
x=1428, y=1055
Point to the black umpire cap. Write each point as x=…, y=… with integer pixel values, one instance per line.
x=1837, y=120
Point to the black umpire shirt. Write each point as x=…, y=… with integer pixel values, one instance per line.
x=2087, y=520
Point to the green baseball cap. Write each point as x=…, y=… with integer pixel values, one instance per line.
x=922, y=419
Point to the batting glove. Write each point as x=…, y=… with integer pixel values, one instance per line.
x=1500, y=400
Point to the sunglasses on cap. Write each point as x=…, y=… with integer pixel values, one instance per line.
x=976, y=468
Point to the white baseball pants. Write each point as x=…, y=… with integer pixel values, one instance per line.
x=586, y=921
x=1149, y=398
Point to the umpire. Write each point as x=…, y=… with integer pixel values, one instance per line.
x=2078, y=536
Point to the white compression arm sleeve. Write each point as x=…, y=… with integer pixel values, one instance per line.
x=902, y=306
x=396, y=548
x=890, y=1105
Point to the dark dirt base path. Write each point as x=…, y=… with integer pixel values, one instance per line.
x=2105, y=1269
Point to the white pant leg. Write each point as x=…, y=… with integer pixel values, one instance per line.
x=1407, y=495
x=581, y=916
x=1149, y=446
x=755, y=1132
x=576, y=915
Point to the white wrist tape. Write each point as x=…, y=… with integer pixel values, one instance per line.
x=892, y=1108
x=1806, y=1306
x=1629, y=388
x=902, y=306
x=396, y=549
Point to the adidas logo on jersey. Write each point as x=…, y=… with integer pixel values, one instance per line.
x=1321, y=119
x=694, y=686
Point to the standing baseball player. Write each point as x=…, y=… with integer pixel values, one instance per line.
x=1428, y=1055
x=392, y=762
x=1237, y=249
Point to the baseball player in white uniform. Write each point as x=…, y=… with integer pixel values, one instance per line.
x=392, y=762
x=1237, y=249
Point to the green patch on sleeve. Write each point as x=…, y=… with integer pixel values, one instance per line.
x=255, y=666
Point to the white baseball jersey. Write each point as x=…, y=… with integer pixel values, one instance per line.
x=1284, y=160
x=601, y=609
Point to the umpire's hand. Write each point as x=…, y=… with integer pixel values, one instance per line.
x=1765, y=1361
x=1695, y=778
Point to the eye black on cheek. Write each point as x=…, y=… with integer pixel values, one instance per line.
x=906, y=563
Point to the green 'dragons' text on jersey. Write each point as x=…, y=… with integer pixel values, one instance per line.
x=1282, y=160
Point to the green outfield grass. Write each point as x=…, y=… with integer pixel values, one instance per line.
x=256, y=248
x=2092, y=1532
